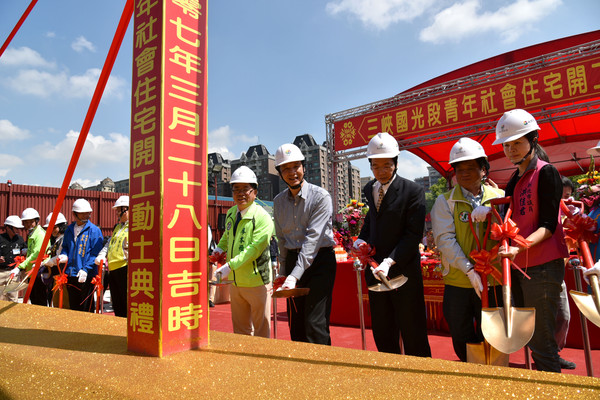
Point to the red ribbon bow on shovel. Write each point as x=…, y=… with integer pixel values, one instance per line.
x=508, y=230
x=581, y=227
x=18, y=261
x=218, y=258
x=365, y=254
x=60, y=281
x=484, y=262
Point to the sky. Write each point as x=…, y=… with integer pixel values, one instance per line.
x=275, y=69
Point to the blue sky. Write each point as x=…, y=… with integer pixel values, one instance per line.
x=275, y=69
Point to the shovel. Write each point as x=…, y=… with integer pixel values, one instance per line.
x=589, y=305
x=507, y=328
x=388, y=284
x=484, y=353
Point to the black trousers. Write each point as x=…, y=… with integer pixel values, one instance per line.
x=400, y=312
x=39, y=291
x=117, y=280
x=81, y=296
x=462, y=310
x=308, y=316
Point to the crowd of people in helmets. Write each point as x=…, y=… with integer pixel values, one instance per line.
x=75, y=251
x=393, y=228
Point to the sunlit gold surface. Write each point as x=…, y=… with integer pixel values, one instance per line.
x=61, y=354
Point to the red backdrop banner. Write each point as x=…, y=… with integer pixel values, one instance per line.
x=571, y=81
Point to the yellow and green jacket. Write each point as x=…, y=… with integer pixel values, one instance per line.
x=453, y=236
x=34, y=245
x=248, y=251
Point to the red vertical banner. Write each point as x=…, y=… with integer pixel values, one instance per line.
x=168, y=301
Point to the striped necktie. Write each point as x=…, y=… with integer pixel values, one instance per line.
x=380, y=198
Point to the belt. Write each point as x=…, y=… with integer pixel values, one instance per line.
x=296, y=251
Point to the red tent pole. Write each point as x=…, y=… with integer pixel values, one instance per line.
x=17, y=27
x=89, y=118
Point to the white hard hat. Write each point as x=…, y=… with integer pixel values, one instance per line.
x=287, y=153
x=122, y=201
x=594, y=151
x=513, y=125
x=59, y=220
x=82, y=206
x=243, y=175
x=29, y=213
x=14, y=221
x=466, y=149
x=383, y=145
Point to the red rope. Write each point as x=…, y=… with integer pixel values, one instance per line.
x=87, y=123
x=17, y=27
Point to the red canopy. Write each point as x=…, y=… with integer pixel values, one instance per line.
x=557, y=81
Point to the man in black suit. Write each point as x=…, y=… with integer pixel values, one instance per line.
x=394, y=227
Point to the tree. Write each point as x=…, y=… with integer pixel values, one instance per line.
x=435, y=190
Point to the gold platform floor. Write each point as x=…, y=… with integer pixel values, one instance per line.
x=50, y=353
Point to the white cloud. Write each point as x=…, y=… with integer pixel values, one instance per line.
x=99, y=153
x=8, y=162
x=50, y=34
x=81, y=43
x=85, y=182
x=466, y=19
x=380, y=14
x=46, y=84
x=24, y=57
x=9, y=132
x=222, y=139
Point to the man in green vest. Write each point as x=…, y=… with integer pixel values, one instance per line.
x=35, y=236
x=248, y=231
x=455, y=241
x=116, y=252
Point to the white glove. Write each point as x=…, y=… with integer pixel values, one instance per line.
x=218, y=250
x=290, y=283
x=357, y=243
x=224, y=270
x=63, y=259
x=475, y=281
x=595, y=270
x=479, y=214
x=384, y=267
x=81, y=276
x=49, y=262
x=15, y=272
x=574, y=210
x=99, y=260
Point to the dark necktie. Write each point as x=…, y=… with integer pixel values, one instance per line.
x=380, y=199
x=238, y=218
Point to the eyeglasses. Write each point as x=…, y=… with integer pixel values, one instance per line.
x=291, y=168
x=243, y=190
x=382, y=168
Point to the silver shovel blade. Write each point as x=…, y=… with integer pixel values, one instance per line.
x=494, y=328
x=387, y=285
x=15, y=286
x=585, y=303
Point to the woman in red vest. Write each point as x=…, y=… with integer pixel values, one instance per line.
x=536, y=190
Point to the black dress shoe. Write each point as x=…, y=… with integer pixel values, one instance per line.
x=211, y=304
x=564, y=364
